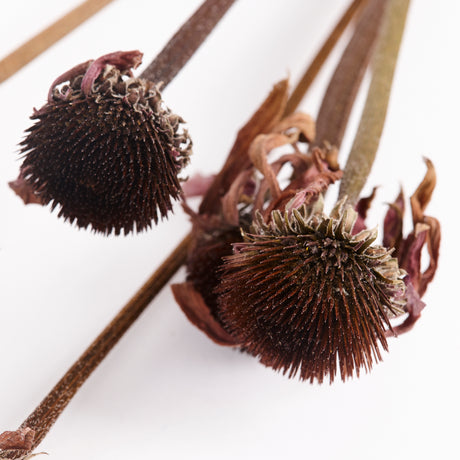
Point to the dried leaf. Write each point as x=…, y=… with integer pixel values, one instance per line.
x=199, y=314
x=21, y=439
x=414, y=307
x=422, y=196
x=362, y=207
x=393, y=224
x=433, y=244
x=266, y=117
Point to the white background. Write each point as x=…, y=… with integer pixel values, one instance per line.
x=166, y=391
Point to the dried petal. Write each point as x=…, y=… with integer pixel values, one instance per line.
x=433, y=245
x=198, y=313
x=308, y=184
x=422, y=196
x=427, y=230
x=197, y=185
x=393, y=224
x=414, y=306
x=362, y=207
x=24, y=190
x=21, y=439
x=266, y=117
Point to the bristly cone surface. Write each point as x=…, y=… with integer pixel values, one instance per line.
x=104, y=149
x=309, y=297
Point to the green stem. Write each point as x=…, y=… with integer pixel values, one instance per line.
x=343, y=87
x=370, y=128
x=316, y=65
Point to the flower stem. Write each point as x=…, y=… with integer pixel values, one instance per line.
x=310, y=74
x=341, y=93
x=16, y=60
x=43, y=417
x=186, y=41
x=370, y=129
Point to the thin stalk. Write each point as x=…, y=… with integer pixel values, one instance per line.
x=186, y=41
x=370, y=128
x=47, y=412
x=310, y=74
x=20, y=57
x=341, y=93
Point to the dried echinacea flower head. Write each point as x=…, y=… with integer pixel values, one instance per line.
x=307, y=295
x=104, y=148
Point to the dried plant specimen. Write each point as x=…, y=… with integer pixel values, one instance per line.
x=105, y=149
x=308, y=296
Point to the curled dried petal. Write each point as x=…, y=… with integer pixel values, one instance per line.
x=362, y=207
x=426, y=233
x=393, y=224
x=198, y=313
x=422, y=196
x=21, y=439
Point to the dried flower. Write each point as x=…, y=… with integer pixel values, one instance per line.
x=306, y=295
x=104, y=148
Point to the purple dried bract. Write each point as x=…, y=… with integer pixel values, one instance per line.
x=425, y=235
x=104, y=149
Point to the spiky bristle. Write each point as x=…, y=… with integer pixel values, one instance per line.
x=308, y=297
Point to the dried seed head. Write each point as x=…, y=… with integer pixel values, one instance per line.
x=104, y=148
x=306, y=295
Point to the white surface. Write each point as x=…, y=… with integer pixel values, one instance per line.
x=166, y=391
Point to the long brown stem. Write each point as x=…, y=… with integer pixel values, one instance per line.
x=186, y=41
x=44, y=416
x=42, y=41
x=310, y=74
x=341, y=93
x=370, y=129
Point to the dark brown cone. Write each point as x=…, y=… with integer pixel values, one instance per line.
x=306, y=296
x=107, y=152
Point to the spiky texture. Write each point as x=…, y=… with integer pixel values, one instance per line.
x=307, y=296
x=107, y=153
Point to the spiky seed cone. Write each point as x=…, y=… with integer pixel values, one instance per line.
x=307, y=296
x=107, y=152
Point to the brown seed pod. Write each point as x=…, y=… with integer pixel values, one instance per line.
x=307, y=296
x=104, y=148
